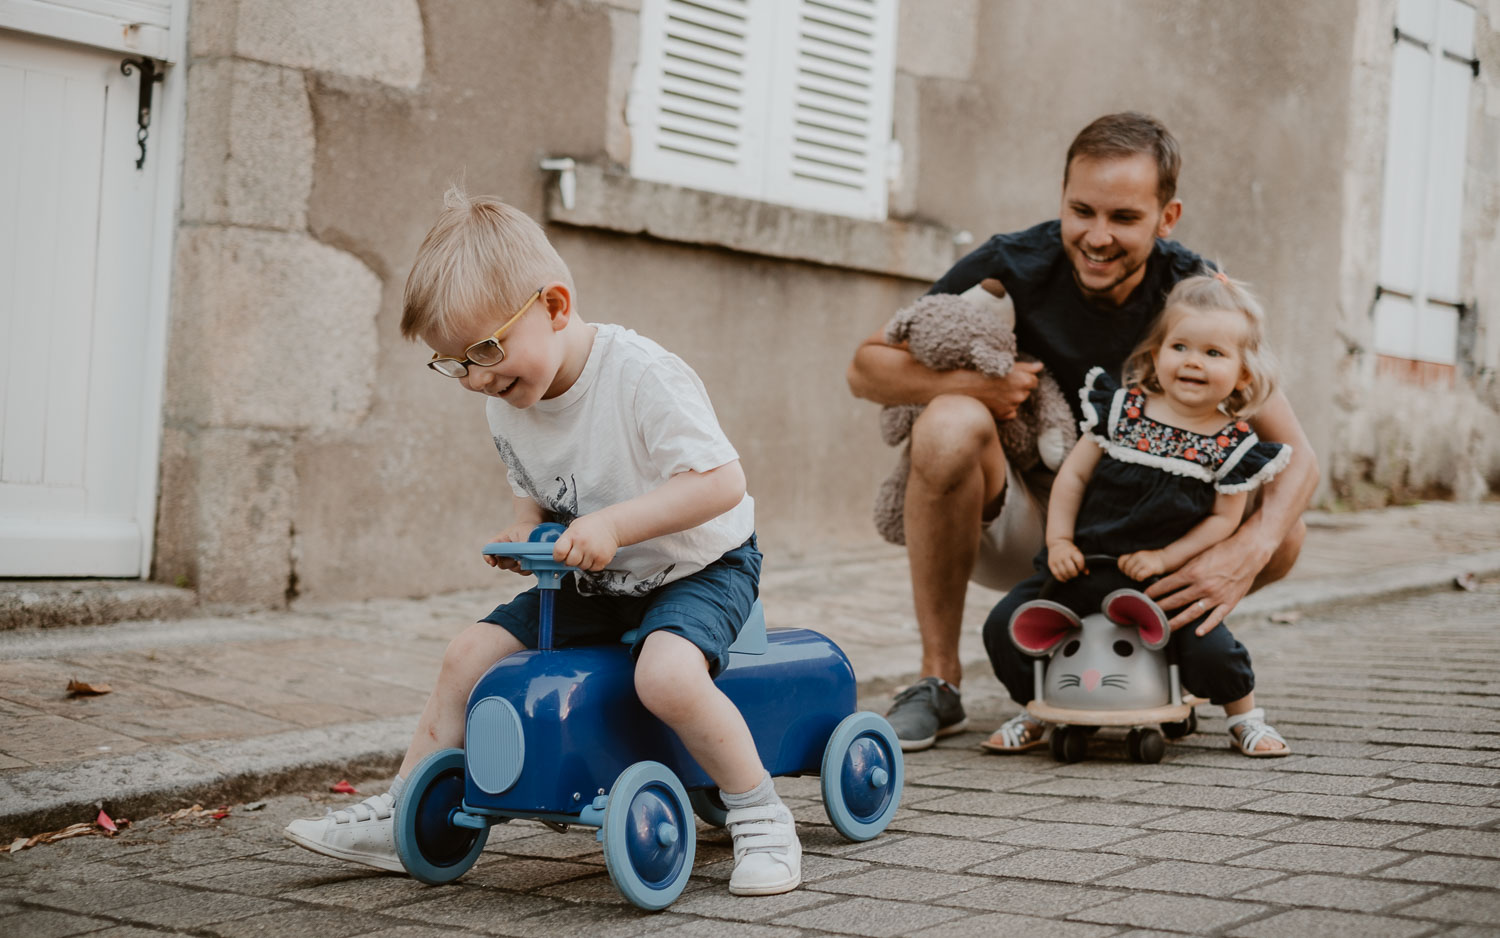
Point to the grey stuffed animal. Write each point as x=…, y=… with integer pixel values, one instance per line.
x=973, y=330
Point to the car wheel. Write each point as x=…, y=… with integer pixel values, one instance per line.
x=649, y=835
x=433, y=849
x=862, y=776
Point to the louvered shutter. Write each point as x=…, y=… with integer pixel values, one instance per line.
x=698, y=103
x=1417, y=316
x=140, y=26
x=831, y=105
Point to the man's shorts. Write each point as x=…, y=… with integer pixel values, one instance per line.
x=708, y=608
x=1010, y=541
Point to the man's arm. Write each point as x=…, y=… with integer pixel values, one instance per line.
x=1222, y=575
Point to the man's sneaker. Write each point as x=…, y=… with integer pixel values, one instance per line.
x=361, y=833
x=767, y=854
x=924, y=711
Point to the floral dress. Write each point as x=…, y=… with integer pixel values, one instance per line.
x=1155, y=482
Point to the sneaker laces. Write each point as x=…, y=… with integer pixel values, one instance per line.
x=375, y=807
x=914, y=691
x=762, y=828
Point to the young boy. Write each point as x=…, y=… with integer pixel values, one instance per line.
x=611, y=434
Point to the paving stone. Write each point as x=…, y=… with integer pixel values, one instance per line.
x=1324, y=923
x=1471, y=931
x=1337, y=892
x=1342, y=833
x=1469, y=843
x=934, y=853
x=1305, y=805
x=1456, y=871
x=363, y=891
x=984, y=802
x=988, y=926
x=1094, y=812
x=1471, y=795
x=718, y=903
x=194, y=911
x=872, y=918
x=1445, y=815
x=1055, y=865
x=1435, y=754
x=109, y=897
x=48, y=924
x=1445, y=772
x=983, y=779
x=1185, y=845
x=1174, y=913
x=703, y=928
x=325, y=923
x=1206, y=879
x=951, y=825
x=473, y=908
x=1088, y=788
x=1325, y=784
x=1202, y=775
x=1478, y=906
x=906, y=884
x=595, y=921
x=1319, y=858
x=1030, y=897
x=1064, y=836
x=1240, y=823
x=1194, y=796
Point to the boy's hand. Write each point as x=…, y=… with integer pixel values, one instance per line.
x=1065, y=560
x=589, y=543
x=1143, y=564
x=513, y=534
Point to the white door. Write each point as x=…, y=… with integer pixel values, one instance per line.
x=77, y=220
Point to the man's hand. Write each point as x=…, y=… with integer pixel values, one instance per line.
x=1004, y=396
x=1210, y=584
x=1065, y=560
x=1143, y=564
x=513, y=534
x=589, y=543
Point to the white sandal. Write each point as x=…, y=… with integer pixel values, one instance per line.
x=1255, y=729
x=1018, y=734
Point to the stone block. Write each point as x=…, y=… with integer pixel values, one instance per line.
x=987, y=926
x=380, y=40
x=1452, y=774
x=49, y=924
x=1194, y=915
x=1194, y=796
x=1455, y=871
x=1199, y=879
x=1338, y=892
x=873, y=918
x=325, y=923
x=1467, y=843
x=271, y=330
x=1062, y=866
x=901, y=884
x=249, y=145
x=1322, y=784
x=938, y=38
x=945, y=854
x=474, y=909
x=1299, y=923
x=1344, y=833
x=1441, y=814
x=1216, y=822
x=247, y=488
x=718, y=903
x=1185, y=845
x=999, y=804
x=1098, y=812
x=1471, y=795
x=189, y=913
x=1477, y=906
x=1318, y=858
x=1060, y=836
x=1331, y=806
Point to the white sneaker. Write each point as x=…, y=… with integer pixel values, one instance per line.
x=361, y=833
x=767, y=854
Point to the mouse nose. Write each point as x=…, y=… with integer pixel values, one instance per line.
x=1090, y=679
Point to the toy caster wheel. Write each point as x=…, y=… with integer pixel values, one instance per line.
x=1182, y=728
x=862, y=776
x=708, y=806
x=1145, y=745
x=649, y=835
x=432, y=848
x=1069, y=743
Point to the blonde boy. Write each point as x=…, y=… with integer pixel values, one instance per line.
x=609, y=433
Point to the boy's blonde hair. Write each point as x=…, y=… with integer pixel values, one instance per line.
x=481, y=258
x=1203, y=293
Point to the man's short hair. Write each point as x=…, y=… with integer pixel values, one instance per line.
x=1126, y=134
x=481, y=258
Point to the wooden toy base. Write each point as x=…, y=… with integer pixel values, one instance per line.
x=1146, y=717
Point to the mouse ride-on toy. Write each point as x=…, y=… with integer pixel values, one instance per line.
x=1108, y=669
x=559, y=736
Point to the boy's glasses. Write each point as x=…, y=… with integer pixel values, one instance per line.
x=484, y=352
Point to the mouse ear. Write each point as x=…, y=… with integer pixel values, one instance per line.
x=1040, y=624
x=1134, y=608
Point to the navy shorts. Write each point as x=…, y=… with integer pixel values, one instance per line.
x=707, y=608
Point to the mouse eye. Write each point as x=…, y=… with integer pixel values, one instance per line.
x=1071, y=649
x=1124, y=649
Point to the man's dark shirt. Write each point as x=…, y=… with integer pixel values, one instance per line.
x=1054, y=322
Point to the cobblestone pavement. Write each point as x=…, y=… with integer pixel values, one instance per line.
x=1385, y=822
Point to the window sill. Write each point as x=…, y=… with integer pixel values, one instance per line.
x=617, y=202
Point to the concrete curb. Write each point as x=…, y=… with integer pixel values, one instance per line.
x=221, y=772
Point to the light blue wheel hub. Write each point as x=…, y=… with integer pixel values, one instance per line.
x=649, y=837
x=863, y=775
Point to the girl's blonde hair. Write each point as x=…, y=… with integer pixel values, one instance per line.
x=482, y=258
x=1203, y=293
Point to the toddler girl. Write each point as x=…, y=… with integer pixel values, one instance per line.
x=1163, y=470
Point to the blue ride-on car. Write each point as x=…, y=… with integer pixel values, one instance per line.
x=558, y=736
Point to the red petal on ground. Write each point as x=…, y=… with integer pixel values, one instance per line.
x=104, y=821
x=343, y=788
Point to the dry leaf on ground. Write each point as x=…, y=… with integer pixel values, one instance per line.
x=77, y=688
x=1466, y=581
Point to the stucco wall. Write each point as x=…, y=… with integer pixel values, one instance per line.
x=329, y=463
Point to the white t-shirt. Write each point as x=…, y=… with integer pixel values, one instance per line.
x=636, y=416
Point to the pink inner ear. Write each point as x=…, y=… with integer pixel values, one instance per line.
x=1036, y=627
x=1129, y=607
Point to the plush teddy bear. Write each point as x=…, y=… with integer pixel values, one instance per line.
x=973, y=330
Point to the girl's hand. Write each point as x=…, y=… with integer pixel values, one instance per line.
x=589, y=543
x=1065, y=560
x=1143, y=564
x=514, y=533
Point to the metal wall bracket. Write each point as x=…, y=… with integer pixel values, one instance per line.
x=150, y=74
x=567, y=179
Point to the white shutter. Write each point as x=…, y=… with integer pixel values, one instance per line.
x=698, y=104
x=831, y=105
x=140, y=26
x=1426, y=150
